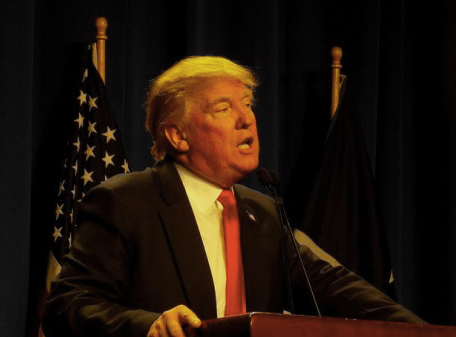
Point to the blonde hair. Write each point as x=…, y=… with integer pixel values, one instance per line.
x=168, y=93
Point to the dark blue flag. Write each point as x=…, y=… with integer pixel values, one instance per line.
x=342, y=215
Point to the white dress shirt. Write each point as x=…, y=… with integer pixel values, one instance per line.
x=208, y=213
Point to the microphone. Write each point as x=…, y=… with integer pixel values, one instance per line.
x=266, y=180
x=264, y=177
x=271, y=181
x=275, y=181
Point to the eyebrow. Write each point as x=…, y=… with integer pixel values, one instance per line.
x=219, y=100
x=222, y=99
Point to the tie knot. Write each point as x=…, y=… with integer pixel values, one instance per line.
x=226, y=198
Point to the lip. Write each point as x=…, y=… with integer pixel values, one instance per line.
x=247, y=139
x=250, y=142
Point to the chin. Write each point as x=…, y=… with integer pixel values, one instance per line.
x=243, y=167
x=247, y=169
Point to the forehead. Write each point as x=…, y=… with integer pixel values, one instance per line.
x=221, y=87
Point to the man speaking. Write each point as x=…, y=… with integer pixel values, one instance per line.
x=181, y=242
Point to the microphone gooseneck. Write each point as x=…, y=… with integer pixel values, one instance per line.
x=271, y=181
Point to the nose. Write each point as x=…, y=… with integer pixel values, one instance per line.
x=245, y=117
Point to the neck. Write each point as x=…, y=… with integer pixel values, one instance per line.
x=216, y=179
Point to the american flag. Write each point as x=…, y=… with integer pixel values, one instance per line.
x=94, y=154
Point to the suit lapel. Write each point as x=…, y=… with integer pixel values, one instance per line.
x=186, y=244
x=256, y=255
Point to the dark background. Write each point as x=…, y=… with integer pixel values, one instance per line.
x=399, y=57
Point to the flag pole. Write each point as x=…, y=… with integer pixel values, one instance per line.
x=336, y=54
x=102, y=24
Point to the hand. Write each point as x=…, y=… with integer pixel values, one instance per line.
x=170, y=322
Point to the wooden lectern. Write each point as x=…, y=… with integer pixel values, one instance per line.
x=275, y=325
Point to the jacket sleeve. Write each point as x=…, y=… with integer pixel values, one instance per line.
x=89, y=296
x=340, y=292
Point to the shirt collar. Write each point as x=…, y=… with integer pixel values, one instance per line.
x=202, y=194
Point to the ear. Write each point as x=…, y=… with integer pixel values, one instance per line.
x=177, y=137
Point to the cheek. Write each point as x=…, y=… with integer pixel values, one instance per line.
x=217, y=136
x=211, y=144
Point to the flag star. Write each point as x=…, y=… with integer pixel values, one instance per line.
x=82, y=197
x=91, y=128
x=57, y=233
x=87, y=177
x=75, y=166
x=109, y=134
x=125, y=166
x=86, y=74
x=61, y=187
x=92, y=103
x=77, y=144
x=80, y=120
x=58, y=211
x=82, y=97
x=89, y=152
x=69, y=241
x=66, y=160
x=73, y=191
x=107, y=159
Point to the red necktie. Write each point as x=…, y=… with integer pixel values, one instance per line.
x=235, y=289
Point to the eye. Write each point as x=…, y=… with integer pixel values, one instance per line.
x=222, y=109
x=249, y=103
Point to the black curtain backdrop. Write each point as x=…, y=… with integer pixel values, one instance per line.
x=398, y=56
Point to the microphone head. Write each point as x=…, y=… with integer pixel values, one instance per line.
x=274, y=177
x=275, y=181
x=264, y=177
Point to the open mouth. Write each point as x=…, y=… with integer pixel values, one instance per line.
x=245, y=145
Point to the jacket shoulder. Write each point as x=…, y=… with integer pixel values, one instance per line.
x=120, y=199
x=131, y=181
x=255, y=198
x=251, y=194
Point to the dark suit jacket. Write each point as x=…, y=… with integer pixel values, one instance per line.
x=138, y=252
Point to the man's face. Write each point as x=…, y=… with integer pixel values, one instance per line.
x=221, y=132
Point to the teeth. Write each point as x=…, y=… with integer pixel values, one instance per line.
x=244, y=146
